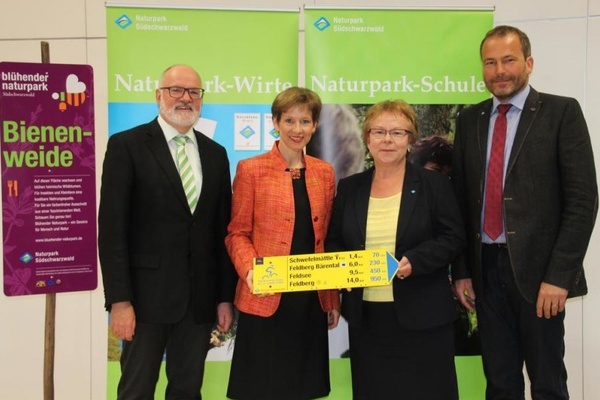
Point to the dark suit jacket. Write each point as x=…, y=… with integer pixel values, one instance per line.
x=550, y=193
x=153, y=251
x=429, y=234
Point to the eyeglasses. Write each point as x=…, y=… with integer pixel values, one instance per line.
x=177, y=92
x=395, y=134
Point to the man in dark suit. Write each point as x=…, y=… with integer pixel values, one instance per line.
x=545, y=208
x=167, y=276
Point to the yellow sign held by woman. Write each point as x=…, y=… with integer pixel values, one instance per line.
x=341, y=270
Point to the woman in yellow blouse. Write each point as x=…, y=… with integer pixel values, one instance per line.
x=401, y=335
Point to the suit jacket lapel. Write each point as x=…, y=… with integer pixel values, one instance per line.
x=410, y=194
x=160, y=149
x=483, y=127
x=205, y=166
x=530, y=109
x=363, y=192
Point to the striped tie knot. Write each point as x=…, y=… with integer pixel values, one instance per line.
x=185, y=171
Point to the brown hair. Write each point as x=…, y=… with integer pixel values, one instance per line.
x=296, y=96
x=505, y=30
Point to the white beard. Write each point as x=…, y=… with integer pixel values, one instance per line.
x=179, y=117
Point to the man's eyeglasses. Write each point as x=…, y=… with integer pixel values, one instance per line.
x=395, y=134
x=177, y=92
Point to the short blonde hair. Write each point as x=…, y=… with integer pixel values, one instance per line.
x=397, y=107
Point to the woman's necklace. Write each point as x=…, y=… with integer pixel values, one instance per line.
x=296, y=173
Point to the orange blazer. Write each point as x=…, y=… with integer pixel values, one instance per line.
x=262, y=221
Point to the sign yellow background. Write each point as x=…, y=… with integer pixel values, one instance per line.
x=339, y=270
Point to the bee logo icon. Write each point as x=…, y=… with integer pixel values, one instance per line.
x=73, y=96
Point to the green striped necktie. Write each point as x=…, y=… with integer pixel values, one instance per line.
x=185, y=171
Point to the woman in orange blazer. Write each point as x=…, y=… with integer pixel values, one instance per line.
x=281, y=206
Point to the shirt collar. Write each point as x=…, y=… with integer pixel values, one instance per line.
x=518, y=100
x=171, y=132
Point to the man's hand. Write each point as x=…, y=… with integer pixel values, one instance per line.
x=463, y=288
x=122, y=320
x=224, y=317
x=333, y=318
x=551, y=300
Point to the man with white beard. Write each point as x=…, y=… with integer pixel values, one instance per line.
x=164, y=210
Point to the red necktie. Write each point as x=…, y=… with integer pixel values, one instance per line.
x=492, y=219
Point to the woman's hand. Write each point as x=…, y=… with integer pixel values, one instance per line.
x=249, y=280
x=249, y=283
x=404, y=269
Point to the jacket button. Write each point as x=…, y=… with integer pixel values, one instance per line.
x=315, y=219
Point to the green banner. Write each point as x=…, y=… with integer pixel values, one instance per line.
x=244, y=57
x=420, y=56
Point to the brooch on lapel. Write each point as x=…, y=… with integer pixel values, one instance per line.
x=294, y=172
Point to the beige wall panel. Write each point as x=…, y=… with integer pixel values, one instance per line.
x=95, y=18
x=267, y=4
x=22, y=346
x=96, y=57
x=42, y=19
x=558, y=48
x=99, y=317
x=505, y=9
x=72, y=372
x=99, y=343
x=591, y=315
x=594, y=7
x=63, y=51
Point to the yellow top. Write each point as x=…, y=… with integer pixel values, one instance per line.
x=382, y=223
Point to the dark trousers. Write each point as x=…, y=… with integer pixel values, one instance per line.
x=389, y=361
x=186, y=344
x=512, y=334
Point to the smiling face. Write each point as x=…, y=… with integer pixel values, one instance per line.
x=296, y=127
x=506, y=70
x=181, y=113
x=388, y=150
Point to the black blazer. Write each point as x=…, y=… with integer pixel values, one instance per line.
x=429, y=234
x=550, y=193
x=153, y=251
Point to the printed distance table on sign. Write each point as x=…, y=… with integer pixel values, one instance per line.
x=339, y=270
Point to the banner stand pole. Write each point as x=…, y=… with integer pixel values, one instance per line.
x=50, y=318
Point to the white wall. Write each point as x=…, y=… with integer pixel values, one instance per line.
x=566, y=50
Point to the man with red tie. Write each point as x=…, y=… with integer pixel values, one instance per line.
x=524, y=174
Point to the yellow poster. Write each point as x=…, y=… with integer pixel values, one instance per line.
x=341, y=270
